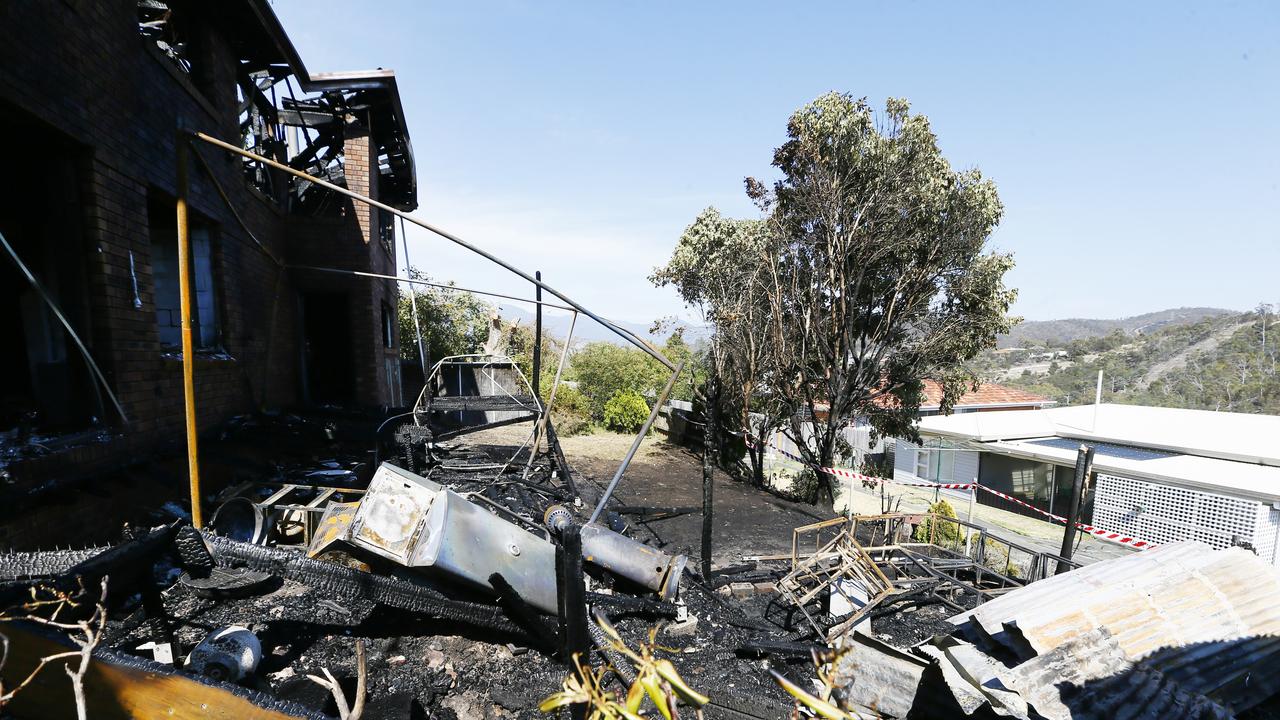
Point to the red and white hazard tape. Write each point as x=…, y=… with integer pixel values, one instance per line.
x=850, y=474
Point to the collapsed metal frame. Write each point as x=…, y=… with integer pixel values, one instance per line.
x=184, y=144
x=533, y=408
x=957, y=552
x=955, y=556
x=811, y=576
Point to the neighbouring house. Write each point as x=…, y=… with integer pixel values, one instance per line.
x=1159, y=474
x=93, y=96
x=913, y=460
x=986, y=397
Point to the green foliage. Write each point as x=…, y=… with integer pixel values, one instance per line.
x=883, y=243
x=603, y=370
x=677, y=350
x=804, y=484
x=867, y=273
x=945, y=533
x=453, y=322
x=626, y=411
x=719, y=266
x=570, y=412
x=1220, y=363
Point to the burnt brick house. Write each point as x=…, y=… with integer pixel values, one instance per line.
x=93, y=96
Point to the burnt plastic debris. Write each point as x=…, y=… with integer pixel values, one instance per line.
x=231, y=654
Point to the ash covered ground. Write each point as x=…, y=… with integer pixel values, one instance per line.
x=421, y=667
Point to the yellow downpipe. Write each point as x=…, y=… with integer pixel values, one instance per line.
x=188, y=349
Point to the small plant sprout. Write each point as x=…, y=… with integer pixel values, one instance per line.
x=656, y=678
x=585, y=686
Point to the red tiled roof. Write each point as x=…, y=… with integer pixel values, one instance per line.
x=986, y=394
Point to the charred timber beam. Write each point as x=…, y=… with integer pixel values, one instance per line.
x=557, y=452
x=131, y=560
x=647, y=510
x=519, y=610
x=305, y=118
x=338, y=581
x=571, y=591
x=640, y=605
x=43, y=563
x=780, y=648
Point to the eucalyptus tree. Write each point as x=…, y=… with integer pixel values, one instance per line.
x=878, y=274
x=718, y=267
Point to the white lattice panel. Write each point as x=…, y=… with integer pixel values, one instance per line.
x=1162, y=514
x=1268, y=528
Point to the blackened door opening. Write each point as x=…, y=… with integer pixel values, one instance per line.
x=327, y=348
x=46, y=384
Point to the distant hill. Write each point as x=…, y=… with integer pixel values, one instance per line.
x=1218, y=363
x=1061, y=332
x=588, y=330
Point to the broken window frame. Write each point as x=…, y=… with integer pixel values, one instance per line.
x=387, y=232
x=158, y=25
x=206, y=297
x=389, y=327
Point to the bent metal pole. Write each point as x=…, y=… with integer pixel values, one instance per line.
x=438, y=231
x=644, y=430
x=188, y=354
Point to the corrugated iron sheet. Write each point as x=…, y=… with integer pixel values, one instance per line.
x=1202, y=620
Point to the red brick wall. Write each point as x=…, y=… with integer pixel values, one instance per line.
x=372, y=366
x=80, y=67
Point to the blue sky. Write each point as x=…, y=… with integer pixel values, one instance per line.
x=1136, y=146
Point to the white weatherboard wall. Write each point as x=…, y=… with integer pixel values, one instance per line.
x=946, y=465
x=1163, y=514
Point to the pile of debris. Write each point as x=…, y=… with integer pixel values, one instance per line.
x=461, y=579
x=471, y=583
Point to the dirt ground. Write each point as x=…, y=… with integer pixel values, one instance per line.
x=748, y=521
x=752, y=522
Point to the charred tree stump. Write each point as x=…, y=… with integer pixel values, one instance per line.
x=708, y=474
x=572, y=595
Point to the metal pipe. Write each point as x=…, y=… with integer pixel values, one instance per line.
x=633, y=560
x=413, y=302
x=537, y=340
x=438, y=231
x=546, y=410
x=48, y=300
x=644, y=430
x=361, y=273
x=188, y=349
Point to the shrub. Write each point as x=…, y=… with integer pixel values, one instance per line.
x=995, y=555
x=570, y=412
x=602, y=370
x=947, y=533
x=625, y=411
x=804, y=485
